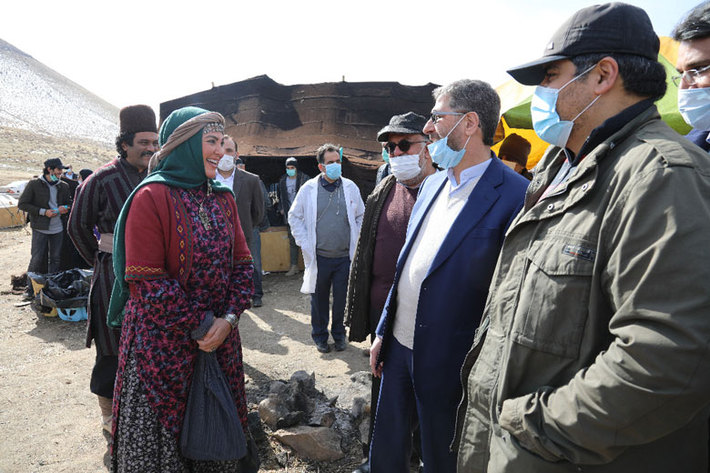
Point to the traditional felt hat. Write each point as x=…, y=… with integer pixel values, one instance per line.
x=137, y=118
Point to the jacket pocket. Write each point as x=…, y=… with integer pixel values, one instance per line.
x=554, y=298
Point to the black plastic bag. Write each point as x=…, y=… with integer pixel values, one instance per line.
x=211, y=429
x=65, y=289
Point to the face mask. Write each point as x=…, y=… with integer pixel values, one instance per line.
x=226, y=164
x=70, y=175
x=385, y=155
x=405, y=167
x=694, y=106
x=333, y=171
x=442, y=154
x=546, y=121
x=53, y=178
x=290, y=172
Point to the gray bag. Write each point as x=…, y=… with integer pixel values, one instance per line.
x=211, y=429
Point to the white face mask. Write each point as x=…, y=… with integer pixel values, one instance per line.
x=226, y=164
x=405, y=167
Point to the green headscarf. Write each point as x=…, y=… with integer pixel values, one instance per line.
x=183, y=167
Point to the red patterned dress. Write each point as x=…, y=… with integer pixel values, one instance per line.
x=177, y=271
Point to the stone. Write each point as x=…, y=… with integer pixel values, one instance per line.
x=271, y=410
x=314, y=443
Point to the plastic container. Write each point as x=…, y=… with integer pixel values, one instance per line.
x=73, y=314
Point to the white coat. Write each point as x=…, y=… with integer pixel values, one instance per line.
x=302, y=219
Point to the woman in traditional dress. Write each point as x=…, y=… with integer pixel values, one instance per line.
x=181, y=263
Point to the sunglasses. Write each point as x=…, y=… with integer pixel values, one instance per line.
x=403, y=145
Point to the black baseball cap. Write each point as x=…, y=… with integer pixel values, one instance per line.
x=292, y=161
x=406, y=124
x=54, y=163
x=608, y=28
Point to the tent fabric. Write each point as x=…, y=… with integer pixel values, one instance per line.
x=10, y=215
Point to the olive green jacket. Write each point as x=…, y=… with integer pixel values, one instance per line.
x=593, y=354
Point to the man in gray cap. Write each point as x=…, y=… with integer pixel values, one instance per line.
x=98, y=202
x=593, y=351
x=46, y=199
x=382, y=235
x=289, y=185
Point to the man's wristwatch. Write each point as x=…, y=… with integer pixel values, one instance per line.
x=232, y=319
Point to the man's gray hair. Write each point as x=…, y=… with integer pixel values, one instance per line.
x=468, y=95
x=695, y=25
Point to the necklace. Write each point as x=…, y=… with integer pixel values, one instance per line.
x=201, y=212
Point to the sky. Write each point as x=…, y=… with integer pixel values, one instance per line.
x=149, y=51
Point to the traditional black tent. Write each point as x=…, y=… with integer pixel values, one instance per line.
x=271, y=122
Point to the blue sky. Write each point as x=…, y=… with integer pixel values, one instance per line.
x=151, y=51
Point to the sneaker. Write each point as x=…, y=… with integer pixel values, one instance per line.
x=256, y=302
x=292, y=270
x=323, y=347
x=340, y=345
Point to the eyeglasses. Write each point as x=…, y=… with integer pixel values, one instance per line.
x=691, y=76
x=436, y=116
x=403, y=145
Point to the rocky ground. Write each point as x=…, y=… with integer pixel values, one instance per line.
x=49, y=421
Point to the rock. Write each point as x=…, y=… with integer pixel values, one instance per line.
x=360, y=406
x=315, y=443
x=304, y=382
x=271, y=410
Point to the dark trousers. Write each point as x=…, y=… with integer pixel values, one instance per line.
x=390, y=451
x=293, y=247
x=103, y=376
x=255, y=249
x=332, y=272
x=45, y=248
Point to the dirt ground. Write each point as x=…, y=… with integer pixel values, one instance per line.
x=49, y=421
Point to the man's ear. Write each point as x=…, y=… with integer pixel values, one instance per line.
x=473, y=123
x=607, y=75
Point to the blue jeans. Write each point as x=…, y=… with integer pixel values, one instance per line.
x=332, y=272
x=255, y=250
x=44, y=245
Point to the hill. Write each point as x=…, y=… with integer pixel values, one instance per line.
x=44, y=114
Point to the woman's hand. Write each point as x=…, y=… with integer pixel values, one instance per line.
x=215, y=336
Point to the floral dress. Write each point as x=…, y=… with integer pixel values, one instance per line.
x=157, y=353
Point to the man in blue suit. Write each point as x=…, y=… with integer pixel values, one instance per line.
x=453, y=238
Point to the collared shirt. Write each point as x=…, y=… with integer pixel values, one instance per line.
x=329, y=186
x=467, y=175
x=227, y=181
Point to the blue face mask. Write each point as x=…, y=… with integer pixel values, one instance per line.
x=333, y=171
x=53, y=178
x=291, y=172
x=442, y=154
x=385, y=155
x=694, y=106
x=543, y=112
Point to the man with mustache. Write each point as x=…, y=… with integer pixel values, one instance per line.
x=98, y=202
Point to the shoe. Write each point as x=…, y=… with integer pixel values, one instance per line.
x=256, y=302
x=340, y=345
x=323, y=347
x=292, y=270
x=364, y=468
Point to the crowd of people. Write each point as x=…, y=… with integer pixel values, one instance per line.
x=544, y=320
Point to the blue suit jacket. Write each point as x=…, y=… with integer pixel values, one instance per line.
x=454, y=291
